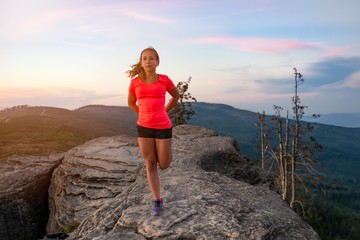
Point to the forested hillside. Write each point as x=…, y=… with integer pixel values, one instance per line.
x=48, y=130
x=341, y=145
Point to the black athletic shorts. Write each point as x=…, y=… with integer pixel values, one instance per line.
x=145, y=132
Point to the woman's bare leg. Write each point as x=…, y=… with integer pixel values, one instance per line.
x=148, y=151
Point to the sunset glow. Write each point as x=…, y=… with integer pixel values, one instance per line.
x=71, y=53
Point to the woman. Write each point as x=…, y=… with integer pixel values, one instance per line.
x=147, y=93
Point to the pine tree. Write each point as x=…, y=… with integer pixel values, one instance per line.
x=183, y=111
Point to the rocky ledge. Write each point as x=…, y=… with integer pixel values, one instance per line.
x=100, y=191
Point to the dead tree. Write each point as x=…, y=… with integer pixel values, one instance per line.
x=299, y=153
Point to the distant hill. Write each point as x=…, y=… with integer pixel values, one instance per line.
x=48, y=130
x=350, y=120
x=229, y=121
x=115, y=119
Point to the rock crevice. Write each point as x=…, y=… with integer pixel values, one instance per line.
x=24, y=183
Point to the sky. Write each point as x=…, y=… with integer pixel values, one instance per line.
x=72, y=53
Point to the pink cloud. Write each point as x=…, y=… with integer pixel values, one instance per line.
x=262, y=45
x=35, y=22
x=43, y=92
x=22, y=93
x=43, y=21
x=147, y=17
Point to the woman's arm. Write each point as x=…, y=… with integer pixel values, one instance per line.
x=132, y=103
x=173, y=101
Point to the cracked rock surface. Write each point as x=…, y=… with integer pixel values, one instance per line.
x=210, y=192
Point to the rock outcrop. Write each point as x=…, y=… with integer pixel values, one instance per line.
x=24, y=183
x=210, y=192
x=89, y=176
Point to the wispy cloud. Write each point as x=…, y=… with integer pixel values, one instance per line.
x=147, y=17
x=68, y=97
x=353, y=81
x=350, y=82
x=262, y=45
x=328, y=75
x=340, y=72
x=70, y=17
x=33, y=23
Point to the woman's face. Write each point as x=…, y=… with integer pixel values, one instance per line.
x=149, y=60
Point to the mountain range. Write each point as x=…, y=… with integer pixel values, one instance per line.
x=350, y=120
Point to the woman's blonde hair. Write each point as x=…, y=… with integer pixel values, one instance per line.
x=136, y=69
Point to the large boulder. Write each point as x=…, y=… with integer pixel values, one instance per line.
x=89, y=176
x=24, y=183
x=210, y=192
